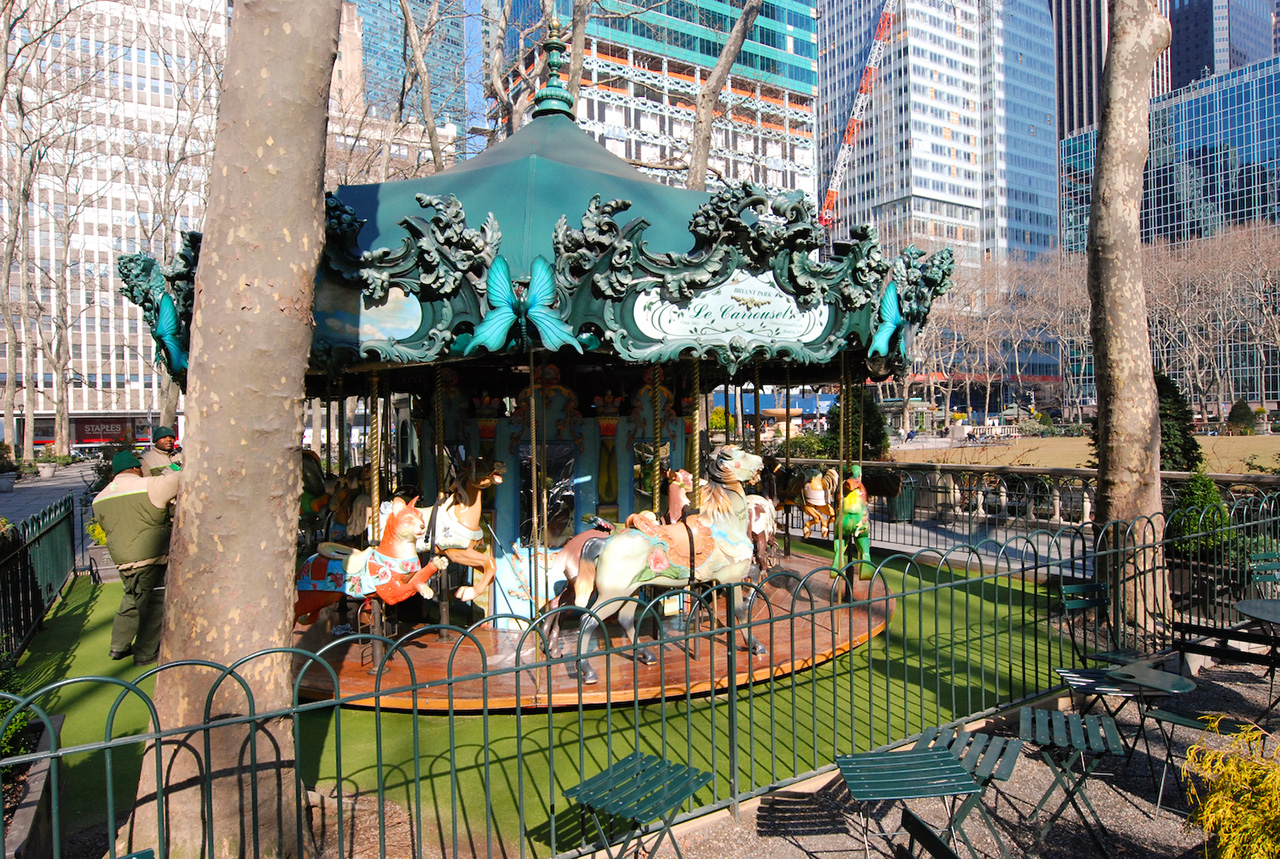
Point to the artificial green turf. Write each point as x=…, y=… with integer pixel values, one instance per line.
x=495, y=771
x=74, y=644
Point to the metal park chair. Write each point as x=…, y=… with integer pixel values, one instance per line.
x=1065, y=740
x=1087, y=608
x=636, y=791
x=1169, y=722
x=921, y=833
x=988, y=758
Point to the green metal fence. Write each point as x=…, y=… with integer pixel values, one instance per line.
x=968, y=632
x=34, y=567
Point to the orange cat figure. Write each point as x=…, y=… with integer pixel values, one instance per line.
x=391, y=571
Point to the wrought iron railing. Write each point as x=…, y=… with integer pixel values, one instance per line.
x=476, y=760
x=33, y=569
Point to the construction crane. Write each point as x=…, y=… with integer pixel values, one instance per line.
x=869, y=73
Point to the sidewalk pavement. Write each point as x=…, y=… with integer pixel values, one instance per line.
x=32, y=494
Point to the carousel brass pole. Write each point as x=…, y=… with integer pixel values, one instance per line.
x=344, y=436
x=786, y=440
x=535, y=398
x=373, y=448
x=544, y=523
x=840, y=434
x=373, y=416
x=442, y=466
x=655, y=465
x=695, y=468
x=755, y=394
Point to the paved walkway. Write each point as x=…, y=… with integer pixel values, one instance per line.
x=32, y=494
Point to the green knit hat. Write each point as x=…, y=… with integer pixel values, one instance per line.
x=123, y=461
x=163, y=432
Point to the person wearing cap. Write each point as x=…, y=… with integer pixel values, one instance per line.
x=164, y=451
x=134, y=512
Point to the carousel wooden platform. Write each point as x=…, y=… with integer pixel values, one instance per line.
x=484, y=671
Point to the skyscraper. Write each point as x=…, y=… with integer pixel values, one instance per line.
x=387, y=59
x=1080, y=39
x=958, y=146
x=644, y=68
x=1218, y=36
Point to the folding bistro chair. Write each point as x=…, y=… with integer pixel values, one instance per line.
x=1078, y=603
x=921, y=833
x=638, y=790
x=988, y=759
x=1168, y=722
x=1065, y=740
x=1095, y=685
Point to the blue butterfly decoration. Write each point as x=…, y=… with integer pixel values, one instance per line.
x=891, y=321
x=511, y=306
x=168, y=339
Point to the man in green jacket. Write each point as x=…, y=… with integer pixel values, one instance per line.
x=164, y=451
x=134, y=512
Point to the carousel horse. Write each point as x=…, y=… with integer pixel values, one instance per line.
x=391, y=570
x=576, y=560
x=457, y=533
x=818, y=492
x=710, y=546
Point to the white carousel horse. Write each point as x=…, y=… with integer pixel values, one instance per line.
x=714, y=543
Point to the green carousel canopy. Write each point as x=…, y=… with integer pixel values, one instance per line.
x=547, y=241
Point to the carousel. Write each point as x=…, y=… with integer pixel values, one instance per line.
x=533, y=335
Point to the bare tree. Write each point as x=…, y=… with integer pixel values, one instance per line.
x=416, y=40
x=704, y=114
x=251, y=336
x=41, y=73
x=1128, y=413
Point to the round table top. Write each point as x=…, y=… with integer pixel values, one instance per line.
x=1152, y=678
x=1267, y=611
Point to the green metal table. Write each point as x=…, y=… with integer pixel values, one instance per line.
x=638, y=789
x=912, y=774
x=1065, y=740
x=1150, y=683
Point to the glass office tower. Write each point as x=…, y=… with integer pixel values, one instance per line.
x=644, y=68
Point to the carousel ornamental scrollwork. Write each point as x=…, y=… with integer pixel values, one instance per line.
x=166, y=295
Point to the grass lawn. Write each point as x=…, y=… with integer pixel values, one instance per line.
x=1223, y=454
x=467, y=769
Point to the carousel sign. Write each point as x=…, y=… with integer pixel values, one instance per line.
x=743, y=306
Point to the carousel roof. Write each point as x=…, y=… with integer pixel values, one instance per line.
x=548, y=169
x=548, y=242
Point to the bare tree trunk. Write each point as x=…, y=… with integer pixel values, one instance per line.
x=424, y=76
x=1128, y=409
x=238, y=507
x=169, y=393
x=577, y=46
x=704, y=115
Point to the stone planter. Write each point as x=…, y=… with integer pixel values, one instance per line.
x=30, y=835
x=101, y=567
x=6, y=481
x=47, y=469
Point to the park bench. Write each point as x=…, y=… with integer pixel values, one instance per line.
x=1238, y=642
x=636, y=791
